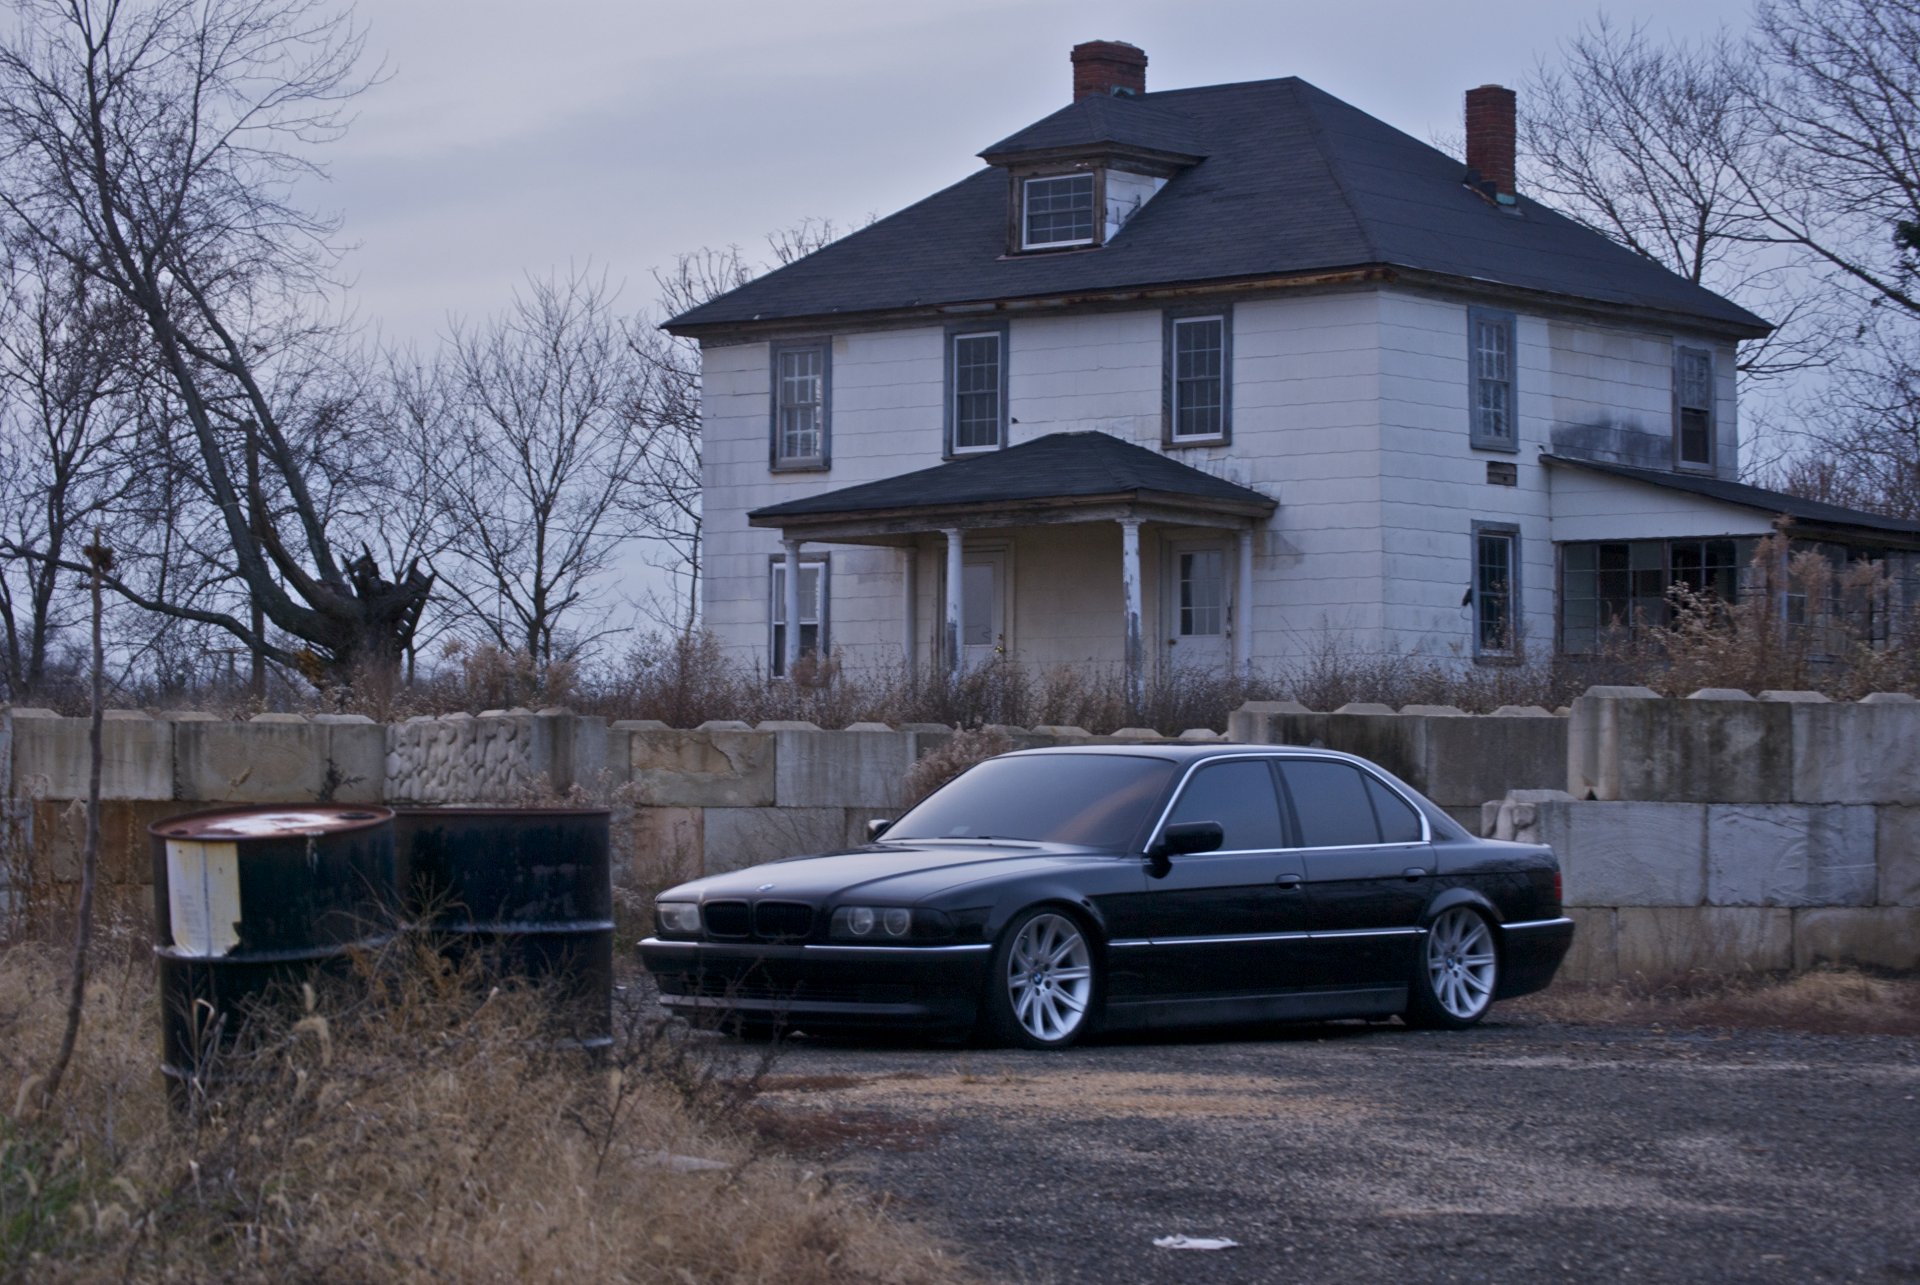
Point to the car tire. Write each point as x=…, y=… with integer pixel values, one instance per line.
x=1458, y=972
x=1044, y=986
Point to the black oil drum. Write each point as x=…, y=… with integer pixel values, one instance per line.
x=526, y=891
x=251, y=902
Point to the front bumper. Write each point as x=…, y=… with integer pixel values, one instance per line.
x=931, y=988
x=1530, y=954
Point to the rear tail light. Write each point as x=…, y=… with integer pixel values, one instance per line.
x=1558, y=900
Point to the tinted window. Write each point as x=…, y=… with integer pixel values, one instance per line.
x=1399, y=823
x=1241, y=798
x=1099, y=800
x=1330, y=800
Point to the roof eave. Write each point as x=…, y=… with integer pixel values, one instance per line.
x=934, y=515
x=1160, y=292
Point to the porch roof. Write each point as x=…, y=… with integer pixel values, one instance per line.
x=1063, y=477
x=1814, y=517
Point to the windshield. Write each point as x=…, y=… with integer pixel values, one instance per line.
x=1094, y=800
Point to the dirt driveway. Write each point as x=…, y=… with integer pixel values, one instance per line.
x=1522, y=1150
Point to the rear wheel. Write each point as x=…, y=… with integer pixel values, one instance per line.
x=1044, y=982
x=1458, y=972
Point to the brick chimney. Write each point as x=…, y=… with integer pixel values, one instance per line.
x=1108, y=67
x=1490, y=133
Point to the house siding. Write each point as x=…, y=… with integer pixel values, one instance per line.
x=1349, y=408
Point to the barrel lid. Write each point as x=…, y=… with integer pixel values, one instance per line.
x=270, y=822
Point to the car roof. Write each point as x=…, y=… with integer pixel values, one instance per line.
x=1187, y=751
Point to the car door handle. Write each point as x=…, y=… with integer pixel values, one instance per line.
x=1414, y=872
x=1287, y=883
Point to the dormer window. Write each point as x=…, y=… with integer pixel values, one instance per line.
x=1058, y=212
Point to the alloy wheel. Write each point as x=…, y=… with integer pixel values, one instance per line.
x=1461, y=964
x=1049, y=977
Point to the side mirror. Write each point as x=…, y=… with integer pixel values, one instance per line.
x=1189, y=837
x=877, y=827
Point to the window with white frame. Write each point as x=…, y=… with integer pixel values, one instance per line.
x=1203, y=594
x=813, y=612
x=977, y=390
x=1197, y=391
x=1056, y=211
x=800, y=390
x=1495, y=591
x=1490, y=351
x=1693, y=408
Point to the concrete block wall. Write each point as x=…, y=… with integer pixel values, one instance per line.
x=689, y=802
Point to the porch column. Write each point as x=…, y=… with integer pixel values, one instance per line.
x=1243, y=608
x=955, y=572
x=791, y=651
x=909, y=604
x=1130, y=582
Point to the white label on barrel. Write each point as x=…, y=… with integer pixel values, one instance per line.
x=203, y=894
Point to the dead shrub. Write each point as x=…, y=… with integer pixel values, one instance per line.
x=1836, y=1001
x=428, y=1133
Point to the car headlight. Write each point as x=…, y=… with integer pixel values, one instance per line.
x=888, y=923
x=679, y=918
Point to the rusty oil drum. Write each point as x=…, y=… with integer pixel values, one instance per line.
x=527, y=893
x=251, y=902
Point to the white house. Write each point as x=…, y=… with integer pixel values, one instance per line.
x=1209, y=375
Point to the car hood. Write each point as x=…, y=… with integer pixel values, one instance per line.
x=895, y=872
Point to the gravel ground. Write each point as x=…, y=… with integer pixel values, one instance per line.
x=1521, y=1150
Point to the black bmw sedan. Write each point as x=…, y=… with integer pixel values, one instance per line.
x=1045, y=895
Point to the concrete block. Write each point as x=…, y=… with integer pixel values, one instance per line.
x=1889, y=698
x=356, y=770
x=1434, y=711
x=51, y=757
x=1464, y=761
x=1875, y=936
x=584, y=759
x=667, y=846
x=1517, y=814
x=1591, y=960
x=724, y=725
x=1663, y=942
x=1785, y=854
x=1057, y=731
x=1522, y=711
x=1364, y=707
x=640, y=725
x=502, y=759
x=814, y=769
x=1252, y=723
x=1720, y=694
x=1694, y=751
x=1135, y=734
x=278, y=718
x=1865, y=752
x=1201, y=734
x=702, y=769
x=1625, y=854
x=1898, y=851
x=737, y=837
x=54, y=839
x=786, y=725
x=1796, y=697
x=250, y=762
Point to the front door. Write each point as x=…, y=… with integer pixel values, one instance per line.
x=1196, y=607
x=1229, y=924
x=983, y=606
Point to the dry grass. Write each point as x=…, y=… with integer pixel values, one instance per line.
x=1825, y=1001
x=420, y=1132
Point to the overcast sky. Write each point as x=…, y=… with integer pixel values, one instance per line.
x=512, y=138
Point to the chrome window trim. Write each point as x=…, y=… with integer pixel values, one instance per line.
x=1426, y=826
x=1372, y=932
x=1250, y=938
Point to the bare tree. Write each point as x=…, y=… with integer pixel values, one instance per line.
x=1841, y=176
x=67, y=378
x=1655, y=146
x=541, y=462
x=153, y=146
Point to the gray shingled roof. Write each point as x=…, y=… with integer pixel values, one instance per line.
x=1816, y=512
x=1294, y=181
x=1059, y=466
x=1101, y=120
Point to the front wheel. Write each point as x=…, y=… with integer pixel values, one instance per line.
x=1044, y=982
x=1459, y=969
